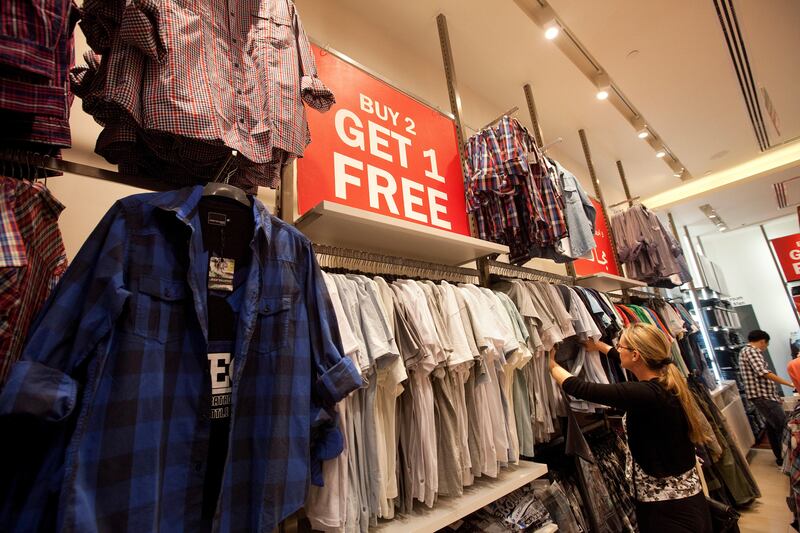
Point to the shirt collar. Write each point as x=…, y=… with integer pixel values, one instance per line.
x=184, y=203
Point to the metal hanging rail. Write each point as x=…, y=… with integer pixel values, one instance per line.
x=373, y=263
x=510, y=112
x=506, y=270
x=27, y=161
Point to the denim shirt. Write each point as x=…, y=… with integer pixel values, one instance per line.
x=116, y=369
x=579, y=212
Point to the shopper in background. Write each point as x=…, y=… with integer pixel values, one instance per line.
x=793, y=369
x=759, y=385
x=663, y=424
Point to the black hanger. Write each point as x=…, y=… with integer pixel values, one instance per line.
x=223, y=188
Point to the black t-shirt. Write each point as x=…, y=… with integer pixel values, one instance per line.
x=658, y=431
x=227, y=228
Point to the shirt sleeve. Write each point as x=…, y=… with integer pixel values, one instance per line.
x=313, y=91
x=334, y=376
x=624, y=396
x=79, y=314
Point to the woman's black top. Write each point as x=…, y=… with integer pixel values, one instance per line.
x=658, y=432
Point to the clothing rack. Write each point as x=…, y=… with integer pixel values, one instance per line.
x=497, y=269
x=28, y=161
x=373, y=263
x=496, y=120
x=629, y=201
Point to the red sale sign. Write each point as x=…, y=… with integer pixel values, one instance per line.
x=603, y=255
x=380, y=150
x=787, y=250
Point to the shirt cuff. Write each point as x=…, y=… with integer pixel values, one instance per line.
x=338, y=381
x=37, y=390
x=316, y=94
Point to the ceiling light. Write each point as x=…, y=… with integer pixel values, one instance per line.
x=660, y=154
x=641, y=127
x=546, y=18
x=603, y=84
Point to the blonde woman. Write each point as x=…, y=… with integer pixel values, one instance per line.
x=663, y=425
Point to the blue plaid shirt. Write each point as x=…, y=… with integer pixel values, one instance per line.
x=115, y=374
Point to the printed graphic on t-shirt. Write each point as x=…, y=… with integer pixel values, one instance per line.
x=220, y=366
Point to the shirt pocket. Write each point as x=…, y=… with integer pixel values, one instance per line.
x=570, y=193
x=161, y=310
x=274, y=320
x=275, y=30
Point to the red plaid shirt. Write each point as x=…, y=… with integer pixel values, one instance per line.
x=36, y=53
x=231, y=74
x=32, y=259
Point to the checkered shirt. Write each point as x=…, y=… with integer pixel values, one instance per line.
x=117, y=356
x=32, y=259
x=752, y=369
x=234, y=73
x=36, y=53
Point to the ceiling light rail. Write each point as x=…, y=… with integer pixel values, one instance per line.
x=540, y=11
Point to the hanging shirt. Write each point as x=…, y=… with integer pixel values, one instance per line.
x=36, y=53
x=32, y=259
x=126, y=323
x=233, y=74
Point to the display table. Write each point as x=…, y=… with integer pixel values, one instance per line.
x=448, y=510
x=727, y=399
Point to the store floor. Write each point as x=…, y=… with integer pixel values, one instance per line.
x=769, y=513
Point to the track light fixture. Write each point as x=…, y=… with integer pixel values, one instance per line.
x=548, y=21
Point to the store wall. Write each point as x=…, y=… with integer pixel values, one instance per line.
x=746, y=261
x=328, y=24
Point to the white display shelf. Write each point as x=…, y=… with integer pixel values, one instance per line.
x=448, y=510
x=605, y=282
x=347, y=227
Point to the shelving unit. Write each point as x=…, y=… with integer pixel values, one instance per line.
x=448, y=510
x=357, y=229
x=605, y=282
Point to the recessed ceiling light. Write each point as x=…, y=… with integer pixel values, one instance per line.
x=643, y=134
x=602, y=95
x=660, y=154
x=552, y=32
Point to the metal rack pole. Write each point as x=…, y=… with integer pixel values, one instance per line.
x=455, y=100
x=599, y=193
x=537, y=128
x=624, y=181
x=537, y=135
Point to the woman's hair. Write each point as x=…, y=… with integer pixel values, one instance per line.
x=655, y=347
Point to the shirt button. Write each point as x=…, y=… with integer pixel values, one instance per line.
x=233, y=41
x=266, y=308
x=241, y=121
x=236, y=65
x=238, y=91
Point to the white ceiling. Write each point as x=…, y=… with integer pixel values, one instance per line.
x=682, y=78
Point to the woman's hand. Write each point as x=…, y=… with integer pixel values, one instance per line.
x=552, y=357
x=596, y=346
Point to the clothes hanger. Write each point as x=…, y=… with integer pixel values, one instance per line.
x=223, y=188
